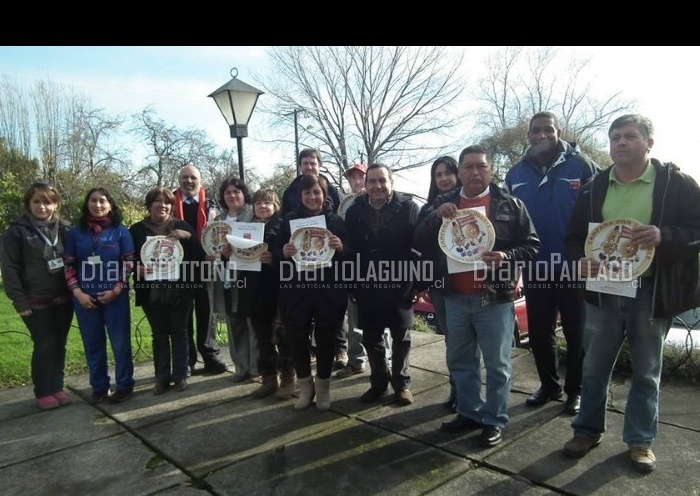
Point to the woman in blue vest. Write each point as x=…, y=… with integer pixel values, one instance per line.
x=99, y=258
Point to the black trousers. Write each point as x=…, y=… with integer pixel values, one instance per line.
x=170, y=341
x=373, y=341
x=264, y=329
x=544, y=299
x=325, y=337
x=49, y=328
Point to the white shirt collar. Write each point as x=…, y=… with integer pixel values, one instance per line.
x=480, y=195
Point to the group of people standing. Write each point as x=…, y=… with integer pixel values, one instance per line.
x=278, y=326
x=542, y=218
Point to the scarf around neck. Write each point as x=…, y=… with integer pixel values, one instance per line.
x=98, y=224
x=49, y=229
x=202, y=214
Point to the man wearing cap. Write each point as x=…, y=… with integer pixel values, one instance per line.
x=356, y=177
x=357, y=356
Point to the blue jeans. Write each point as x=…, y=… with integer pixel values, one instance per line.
x=606, y=327
x=476, y=330
x=437, y=297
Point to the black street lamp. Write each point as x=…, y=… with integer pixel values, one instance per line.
x=236, y=101
x=296, y=137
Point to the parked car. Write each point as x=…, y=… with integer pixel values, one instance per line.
x=425, y=309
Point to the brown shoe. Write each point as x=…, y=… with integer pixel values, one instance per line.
x=403, y=398
x=578, y=446
x=341, y=360
x=288, y=382
x=643, y=459
x=349, y=371
x=160, y=388
x=269, y=386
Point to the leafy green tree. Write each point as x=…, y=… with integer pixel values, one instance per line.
x=17, y=172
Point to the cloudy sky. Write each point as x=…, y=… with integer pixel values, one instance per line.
x=175, y=81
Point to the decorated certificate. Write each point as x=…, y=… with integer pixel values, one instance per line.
x=214, y=237
x=162, y=256
x=313, y=249
x=466, y=236
x=610, y=244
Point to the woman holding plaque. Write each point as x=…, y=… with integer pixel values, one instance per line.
x=224, y=295
x=258, y=301
x=166, y=292
x=312, y=294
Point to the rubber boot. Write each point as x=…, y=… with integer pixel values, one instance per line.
x=270, y=383
x=306, y=393
x=323, y=394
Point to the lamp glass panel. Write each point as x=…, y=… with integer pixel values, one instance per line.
x=243, y=104
x=222, y=101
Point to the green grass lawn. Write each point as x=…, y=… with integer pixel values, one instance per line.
x=16, y=345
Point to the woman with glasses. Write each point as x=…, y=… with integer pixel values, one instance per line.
x=31, y=260
x=224, y=296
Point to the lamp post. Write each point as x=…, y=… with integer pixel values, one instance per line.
x=236, y=101
x=295, y=113
x=296, y=142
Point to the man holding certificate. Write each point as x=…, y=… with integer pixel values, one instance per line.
x=478, y=237
x=652, y=209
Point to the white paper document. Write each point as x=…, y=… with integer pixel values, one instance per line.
x=246, y=239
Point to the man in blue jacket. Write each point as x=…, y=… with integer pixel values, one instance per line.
x=548, y=180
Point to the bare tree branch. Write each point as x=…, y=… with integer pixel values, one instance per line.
x=388, y=103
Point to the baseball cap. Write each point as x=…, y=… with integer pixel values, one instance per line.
x=357, y=167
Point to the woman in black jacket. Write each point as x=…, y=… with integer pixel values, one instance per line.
x=167, y=303
x=312, y=298
x=32, y=272
x=258, y=301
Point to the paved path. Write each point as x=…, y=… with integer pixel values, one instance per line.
x=215, y=439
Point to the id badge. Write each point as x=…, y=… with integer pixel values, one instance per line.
x=94, y=259
x=55, y=265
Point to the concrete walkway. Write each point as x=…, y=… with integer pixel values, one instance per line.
x=215, y=439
